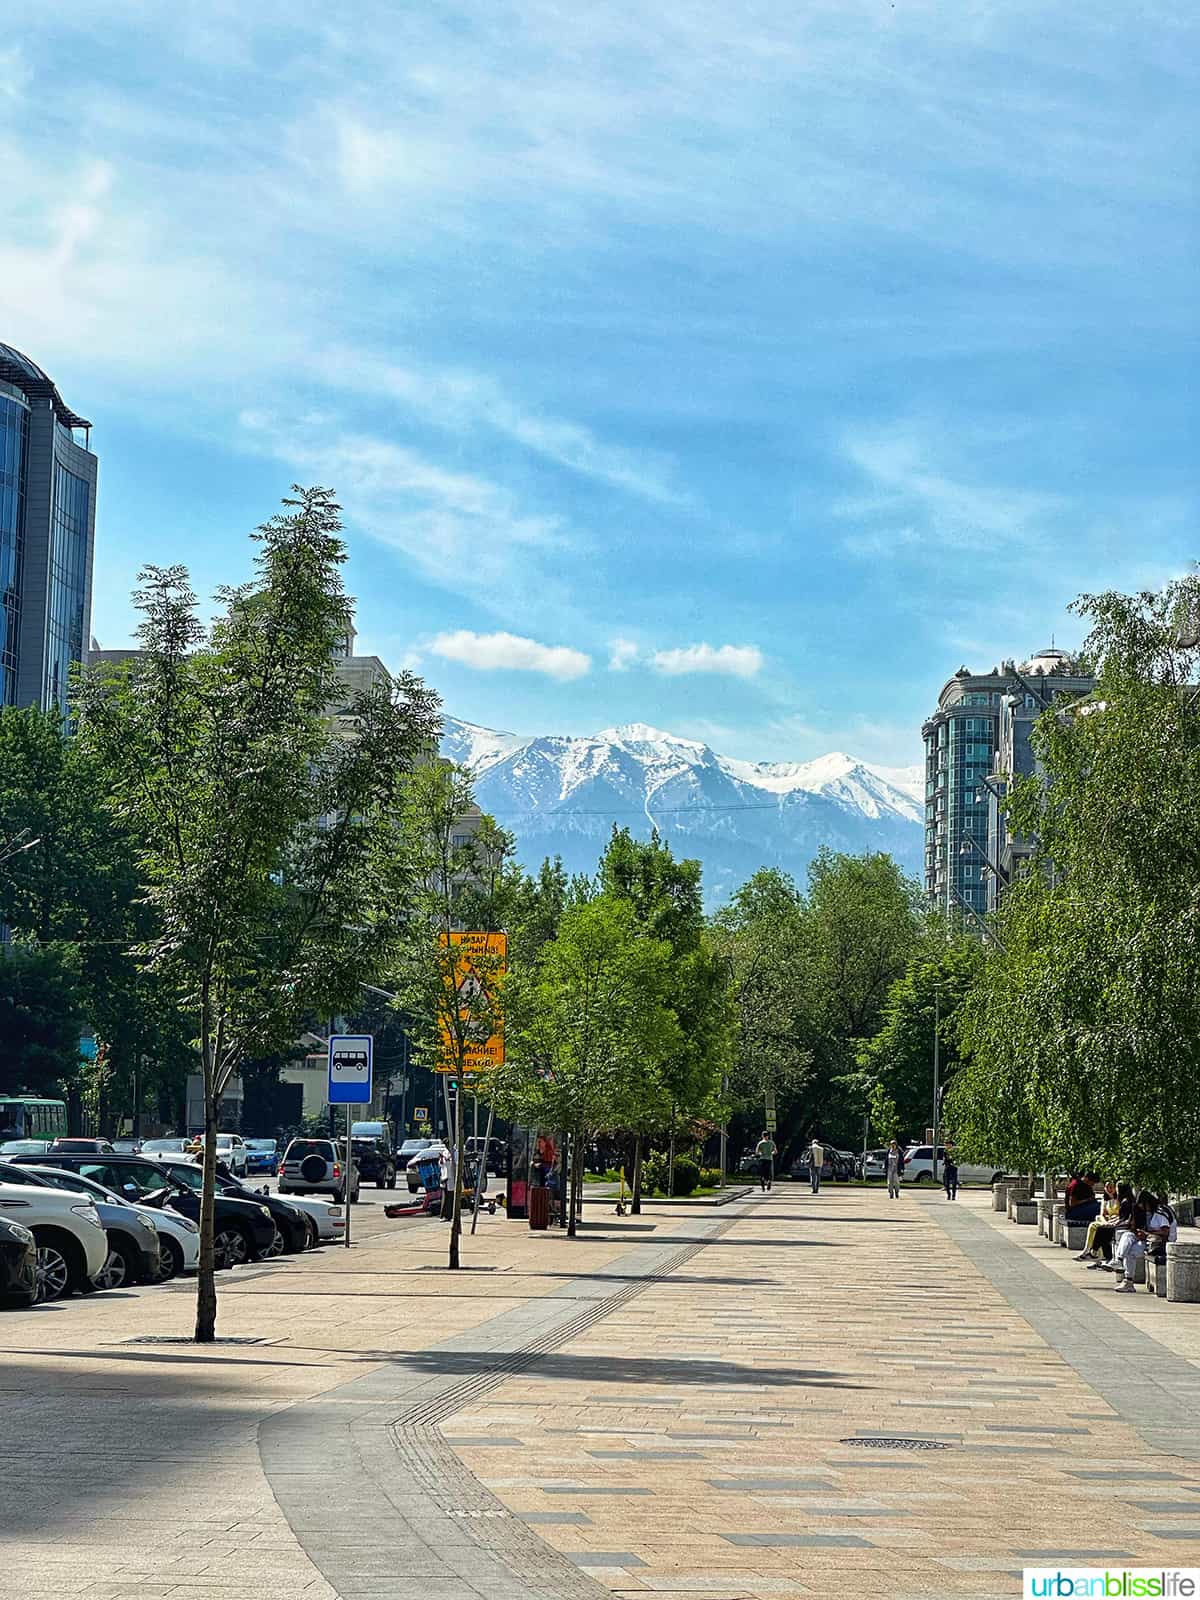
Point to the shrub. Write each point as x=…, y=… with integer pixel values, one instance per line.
x=687, y=1175
x=654, y=1174
x=710, y=1177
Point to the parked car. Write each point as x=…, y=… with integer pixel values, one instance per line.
x=231, y=1149
x=838, y=1166
x=243, y=1229
x=178, y=1236
x=127, y=1147
x=134, y=1255
x=18, y=1264
x=918, y=1167
x=409, y=1149
x=72, y=1246
x=163, y=1147
x=24, y=1147
x=496, y=1152
x=292, y=1232
x=432, y=1150
x=871, y=1164
x=262, y=1156
x=79, y=1147
x=374, y=1160
x=315, y=1166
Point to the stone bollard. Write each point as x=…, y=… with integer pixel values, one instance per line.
x=1045, y=1216
x=1058, y=1227
x=1183, y=1271
x=1000, y=1196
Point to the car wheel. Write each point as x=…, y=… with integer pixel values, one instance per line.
x=391, y=1183
x=170, y=1259
x=277, y=1245
x=921, y=1177
x=115, y=1272
x=314, y=1233
x=60, y=1266
x=231, y=1248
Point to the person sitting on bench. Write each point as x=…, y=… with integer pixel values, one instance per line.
x=1110, y=1210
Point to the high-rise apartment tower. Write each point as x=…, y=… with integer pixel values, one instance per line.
x=47, y=535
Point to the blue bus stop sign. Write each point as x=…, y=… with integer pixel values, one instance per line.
x=351, y=1058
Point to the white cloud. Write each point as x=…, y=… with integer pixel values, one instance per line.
x=462, y=402
x=622, y=655
x=509, y=652
x=732, y=660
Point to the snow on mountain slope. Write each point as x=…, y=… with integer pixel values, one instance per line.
x=561, y=795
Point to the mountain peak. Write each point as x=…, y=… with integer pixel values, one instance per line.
x=642, y=733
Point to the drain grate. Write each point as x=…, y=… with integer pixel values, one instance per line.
x=897, y=1444
x=171, y=1338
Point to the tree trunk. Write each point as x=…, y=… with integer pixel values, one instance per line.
x=635, y=1202
x=576, y=1183
x=206, y=1278
x=456, y=1213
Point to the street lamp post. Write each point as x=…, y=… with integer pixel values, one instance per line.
x=937, y=1024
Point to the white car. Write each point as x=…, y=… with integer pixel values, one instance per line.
x=329, y=1216
x=918, y=1167
x=178, y=1236
x=72, y=1245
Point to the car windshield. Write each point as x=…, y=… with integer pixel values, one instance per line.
x=262, y=1145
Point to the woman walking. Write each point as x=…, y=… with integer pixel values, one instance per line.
x=895, y=1166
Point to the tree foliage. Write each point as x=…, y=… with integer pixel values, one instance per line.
x=1084, y=1030
x=256, y=795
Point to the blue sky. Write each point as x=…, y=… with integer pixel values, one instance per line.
x=741, y=370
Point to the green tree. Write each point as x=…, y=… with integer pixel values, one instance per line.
x=667, y=901
x=40, y=1019
x=453, y=1001
x=588, y=1028
x=898, y=1058
x=257, y=798
x=1084, y=1030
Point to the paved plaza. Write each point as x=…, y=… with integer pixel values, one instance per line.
x=697, y=1401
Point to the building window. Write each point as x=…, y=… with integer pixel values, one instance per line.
x=68, y=583
x=14, y=431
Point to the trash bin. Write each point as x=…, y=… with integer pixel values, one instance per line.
x=539, y=1208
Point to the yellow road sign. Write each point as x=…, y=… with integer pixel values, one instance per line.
x=475, y=977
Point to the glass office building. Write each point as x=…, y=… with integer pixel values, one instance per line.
x=976, y=739
x=47, y=535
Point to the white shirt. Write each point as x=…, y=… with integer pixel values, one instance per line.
x=817, y=1154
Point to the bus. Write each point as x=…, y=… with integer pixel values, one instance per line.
x=25, y=1117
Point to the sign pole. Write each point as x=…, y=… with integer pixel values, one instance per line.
x=351, y=1074
x=349, y=1153
x=481, y=1173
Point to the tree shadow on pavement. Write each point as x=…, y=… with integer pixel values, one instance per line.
x=697, y=1373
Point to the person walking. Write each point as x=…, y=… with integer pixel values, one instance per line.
x=766, y=1152
x=950, y=1175
x=816, y=1160
x=894, y=1160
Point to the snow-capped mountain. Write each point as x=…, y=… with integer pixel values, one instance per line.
x=561, y=796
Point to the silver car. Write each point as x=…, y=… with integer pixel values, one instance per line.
x=317, y=1166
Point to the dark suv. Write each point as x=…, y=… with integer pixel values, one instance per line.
x=375, y=1161
x=242, y=1229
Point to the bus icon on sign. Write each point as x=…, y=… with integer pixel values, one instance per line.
x=350, y=1060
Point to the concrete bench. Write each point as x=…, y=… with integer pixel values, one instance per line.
x=1074, y=1235
x=1156, y=1276
x=1139, y=1270
x=1025, y=1212
x=1183, y=1271
x=1045, y=1207
x=1018, y=1196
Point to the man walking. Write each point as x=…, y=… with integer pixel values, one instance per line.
x=766, y=1152
x=816, y=1160
x=895, y=1166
